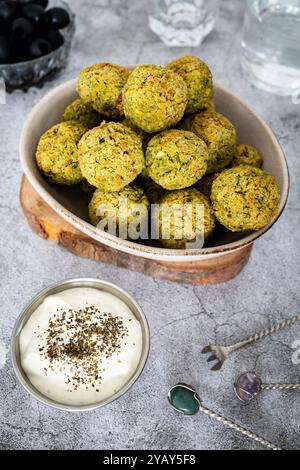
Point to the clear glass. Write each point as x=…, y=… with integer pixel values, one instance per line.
x=183, y=22
x=271, y=45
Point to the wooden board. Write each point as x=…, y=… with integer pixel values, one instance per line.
x=47, y=224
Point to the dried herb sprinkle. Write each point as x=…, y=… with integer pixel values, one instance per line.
x=81, y=339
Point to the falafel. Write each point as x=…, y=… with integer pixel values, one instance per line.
x=111, y=156
x=154, y=98
x=247, y=155
x=198, y=79
x=184, y=222
x=220, y=136
x=245, y=198
x=57, y=153
x=176, y=159
x=101, y=86
x=83, y=113
x=126, y=208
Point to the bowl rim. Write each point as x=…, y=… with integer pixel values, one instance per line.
x=29, y=309
x=145, y=251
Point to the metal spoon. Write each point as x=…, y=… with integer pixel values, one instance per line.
x=248, y=385
x=186, y=400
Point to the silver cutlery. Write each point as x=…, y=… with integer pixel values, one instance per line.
x=248, y=385
x=220, y=353
x=186, y=400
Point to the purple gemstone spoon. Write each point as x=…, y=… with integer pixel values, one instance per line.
x=248, y=385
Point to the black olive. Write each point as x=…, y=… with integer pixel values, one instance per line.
x=43, y=3
x=39, y=47
x=19, y=2
x=22, y=28
x=4, y=28
x=58, y=18
x=54, y=37
x=20, y=51
x=5, y=50
x=34, y=13
x=7, y=12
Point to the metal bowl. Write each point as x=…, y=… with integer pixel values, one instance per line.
x=36, y=71
x=59, y=287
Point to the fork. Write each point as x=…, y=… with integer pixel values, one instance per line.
x=220, y=353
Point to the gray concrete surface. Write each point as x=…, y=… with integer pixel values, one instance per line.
x=182, y=318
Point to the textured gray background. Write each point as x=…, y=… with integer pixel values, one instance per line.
x=182, y=318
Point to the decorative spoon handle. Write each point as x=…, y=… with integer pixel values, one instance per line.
x=267, y=331
x=238, y=428
x=280, y=386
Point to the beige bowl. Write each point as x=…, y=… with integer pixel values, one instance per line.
x=251, y=129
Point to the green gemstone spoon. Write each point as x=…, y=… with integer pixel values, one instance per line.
x=186, y=400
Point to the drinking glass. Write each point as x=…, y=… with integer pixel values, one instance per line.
x=271, y=45
x=183, y=22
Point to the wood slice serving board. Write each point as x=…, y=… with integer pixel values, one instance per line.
x=46, y=223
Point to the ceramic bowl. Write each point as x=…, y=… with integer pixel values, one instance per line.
x=251, y=129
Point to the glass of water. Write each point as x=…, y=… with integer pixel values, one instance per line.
x=183, y=22
x=271, y=45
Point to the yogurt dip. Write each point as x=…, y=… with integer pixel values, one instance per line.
x=80, y=346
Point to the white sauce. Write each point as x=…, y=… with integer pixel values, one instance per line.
x=50, y=377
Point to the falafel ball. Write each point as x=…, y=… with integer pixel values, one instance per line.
x=198, y=79
x=126, y=207
x=57, y=153
x=176, y=159
x=219, y=135
x=185, y=223
x=245, y=198
x=110, y=156
x=247, y=155
x=101, y=86
x=154, y=98
x=83, y=113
